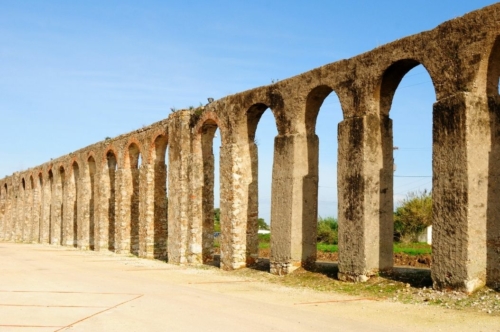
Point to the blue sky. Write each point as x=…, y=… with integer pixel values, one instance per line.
x=72, y=73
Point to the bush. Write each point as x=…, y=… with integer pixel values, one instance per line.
x=328, y=230
x=412, y=216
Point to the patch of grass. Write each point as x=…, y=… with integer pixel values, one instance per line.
x=325, y=247
x=413, y=249
x=264, y=245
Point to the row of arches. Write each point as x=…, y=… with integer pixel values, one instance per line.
x=117, y=198
x=92, y=204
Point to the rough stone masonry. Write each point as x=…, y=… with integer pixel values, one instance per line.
x=112, y=195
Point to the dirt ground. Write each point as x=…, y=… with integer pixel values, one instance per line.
x=399, y=259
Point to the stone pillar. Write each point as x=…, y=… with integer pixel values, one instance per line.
x=294, y=203
x=28, y=207
x=46, y=208
x=56, y=210
x=493, y=212
x=9, y=213
x=84, y=208
x=122, y=225
x=19, y=212
x=179, y=187
x=146, y=208
x=2, y=213
x=365, y=175
x=252, y=199
x=101, y=206
x=35, y=213
x=160, y=209
x=69, y=212
x=238, y=215
x=464, y=193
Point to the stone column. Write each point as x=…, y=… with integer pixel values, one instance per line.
x=365, y=175
x=35, y=213
x=69, y=212
x=493, y=209
x=10, y=205
x=238, y=214
x=122, y=228
x=84, y=208
x=146, y=208
x=101, y=206
x=19, y=214
x=294, y=203
x=160, y=209
x=28, y=207
x=179, y=187
x=463, y=191
x=56, y=210
x=2, y=213
x=45, y=210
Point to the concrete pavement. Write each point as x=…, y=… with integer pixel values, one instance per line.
x=51, y=288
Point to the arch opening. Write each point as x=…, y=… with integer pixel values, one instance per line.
x=262, y=130
x=323, y=115
x=407, y=92
x=210, y=218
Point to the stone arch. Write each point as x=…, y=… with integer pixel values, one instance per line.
x=389, y=84
x=390, y=79
x=493, y=74
x=160, y=223
x=254, y=114
x=314, y=101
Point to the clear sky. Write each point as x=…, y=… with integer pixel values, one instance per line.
x=75, y=72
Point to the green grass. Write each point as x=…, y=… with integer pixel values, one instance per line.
x=327, y=247
x=412, y=249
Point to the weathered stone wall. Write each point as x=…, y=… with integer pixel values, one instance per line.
x=112, y=195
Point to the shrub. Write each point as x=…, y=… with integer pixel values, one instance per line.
x=412, y=216
x=327, y=230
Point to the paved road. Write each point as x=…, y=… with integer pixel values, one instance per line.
x=47, y=288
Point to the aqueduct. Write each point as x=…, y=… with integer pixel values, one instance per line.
x=112, y=195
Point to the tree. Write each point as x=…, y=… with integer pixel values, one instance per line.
x=412, y=216
x=262, y=224
x=216, y=220
x=328, y=230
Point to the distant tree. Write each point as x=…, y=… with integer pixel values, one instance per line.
x=263, y=224
x=328, y=230
x=217, y=220
x=412, y=216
